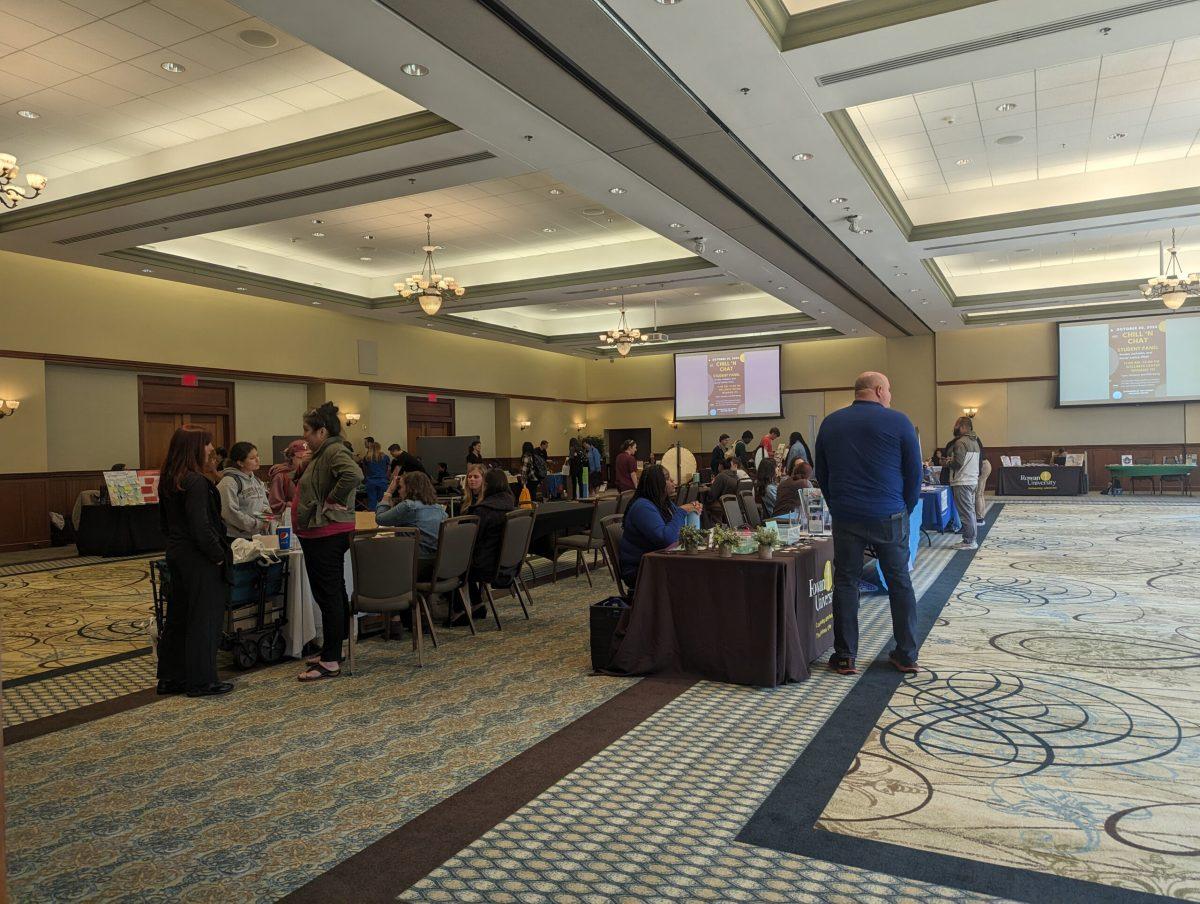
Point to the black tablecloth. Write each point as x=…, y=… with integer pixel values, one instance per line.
x=742, y=620
x=1041, y=480
x=119, y=530
x=552, y=519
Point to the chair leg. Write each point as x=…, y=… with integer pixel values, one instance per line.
x=522, y=586
x=429, y=619
x=352, y=632
x=466, y=604
x=492, y=602
x=587, y=573
x=612, y=573
x=553, y=566
x=513, y=590
x=418, y=633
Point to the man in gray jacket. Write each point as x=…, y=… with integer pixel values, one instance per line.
x=964, y=478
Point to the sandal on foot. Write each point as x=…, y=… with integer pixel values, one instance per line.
x=322, y=673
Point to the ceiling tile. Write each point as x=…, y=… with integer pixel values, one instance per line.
x=894, y=127
x=1005, y=88
x=102, y=8
x=1165, y=112
x=928, y=168
x=116, y=42
x=1184, y=51
x=193, y=70
x=1068, y=74
x=1006, y=125
x=907, y=158
x=1126, y=103
x=904, y=143
x=132, y=79
x=1181, y=72
x=188, y=100
x=967, y=132
x=1066, y=94
x=1134, y=60
x=1065, y=113
x=945, y=99
x=95, y=91
x=885, y=110
x=952, y=116
x=1144, y=80
x=230, y=118
x=24, y=64
x=148, y=111
x=350, y=85
x=53, y=15
x=1179, y=93
x=161, y=137
x=154, y=24
x=195, y=128
x=286, y=42
x=212, y=52
x=80, y=58
x=207, y=15
x=307, y=97
x=267, y=108
x=1169, y=152
x=969, y=185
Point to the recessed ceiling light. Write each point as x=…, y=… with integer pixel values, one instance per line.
x=924, y=302
x=993, y=260
x=854, y=331
x=802, y=156
x=414, y=69
x=147, y=270
x=668, y=2
x=556, y=191
x=241, y=288
x=318, y=235
x=317, y=222
x=914, y=290
x=1116, y=136
x=803, y=301
x=616, y=190
x=172, y=66
x=549, y=229
x=837, y=200
x=949, y=120
x=1010, y=139
x=820, y=312
x=676, y=225
x=369, y=237
x=29, y=114
x=612, y=304
x=718, y=251
x=962, y=161
x=941, y=321
x=1005, y=107
x=592, y=211
x=256, y=37
x=364, y=258
x=865, y=231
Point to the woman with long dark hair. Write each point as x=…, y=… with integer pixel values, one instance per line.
x=787, y=495
x=323, y=519
x=533, y=468
x=764, y=483
x=797, y=449
x=492, y=512
x=652, y=520
x=197, y=557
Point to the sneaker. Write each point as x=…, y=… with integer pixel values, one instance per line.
x=908, y=668
x=966, y=545
x=843, y=665
x=980, y=522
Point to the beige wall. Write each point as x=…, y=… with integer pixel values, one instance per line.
x=91, y=418
x=1000, y=352
x=549, y=420
x=23, y=434
x=472, y=416
x=264, y=410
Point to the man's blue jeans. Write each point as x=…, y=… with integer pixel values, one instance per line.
x=889, y=538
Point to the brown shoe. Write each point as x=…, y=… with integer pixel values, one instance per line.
x=908, y=668
x=843, y=665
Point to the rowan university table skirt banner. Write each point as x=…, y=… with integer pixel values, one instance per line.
x=1041, y=480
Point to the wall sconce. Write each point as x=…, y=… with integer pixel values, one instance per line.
x=580, y=425
x=970, y=412
x=524, y=425
x=8, y=407
x=674, y=425
x=352, y=419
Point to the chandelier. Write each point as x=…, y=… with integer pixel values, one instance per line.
x=10, y=195
x=622, y=337
x=431, y=288
x=1172, y=288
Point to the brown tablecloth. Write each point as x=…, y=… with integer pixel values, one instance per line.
x=743, y=620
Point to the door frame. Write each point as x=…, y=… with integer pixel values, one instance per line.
x=227, y=411
x=409, y=417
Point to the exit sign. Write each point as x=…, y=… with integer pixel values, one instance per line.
x=189, y=380
x=432, y=397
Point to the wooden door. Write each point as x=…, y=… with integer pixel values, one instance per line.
x=417, y=429
x=166, y=405
x=426, y=418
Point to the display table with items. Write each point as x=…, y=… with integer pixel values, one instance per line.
x=554, y=519
x=740, y=619
x=937, y=508
x=1182, y=475
x=119, y=530
x=1041, y=480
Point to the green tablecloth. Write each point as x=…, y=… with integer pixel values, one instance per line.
x=1149, y=470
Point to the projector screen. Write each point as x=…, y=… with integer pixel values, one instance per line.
x=736, y=383
x=1129, y=361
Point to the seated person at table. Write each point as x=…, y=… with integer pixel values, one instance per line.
x=1060, y=458
x=764, y=483
x=411, y=502
x=787, y=496
x=244, y=505
x=652, y=521
x=492, y=512
x=472, y=490
x=725, y=482
x=443, y=473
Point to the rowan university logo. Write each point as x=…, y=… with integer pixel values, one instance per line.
x=1045, y=475
x=821, y=590
x=828, y=575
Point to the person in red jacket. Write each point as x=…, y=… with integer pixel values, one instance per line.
x=768, y=442
x=626, y=467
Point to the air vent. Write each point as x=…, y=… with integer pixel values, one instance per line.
x=284, y=196
x=1012, y=37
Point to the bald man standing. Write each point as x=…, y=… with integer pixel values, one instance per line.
x=869, y=469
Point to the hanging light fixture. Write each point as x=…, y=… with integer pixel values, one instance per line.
x=654, y=337
x=1171, y=286
x=10, y=195
x=622, y=337
x=431, y=288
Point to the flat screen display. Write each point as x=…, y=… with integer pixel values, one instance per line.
x=734, y=383
x=1130, y=360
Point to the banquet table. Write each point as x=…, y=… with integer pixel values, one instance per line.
x=1152, y=471
x=552, y=519
x=119, y=530
x=1041, y=480
x=937, y=508
x=303, y=613
x=741, y=620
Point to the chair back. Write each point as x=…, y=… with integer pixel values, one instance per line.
x=623, y=501
x=693, y=493
x=456, y=543
x=614, y=527
x=733, y=510
x=514, y=542
x=385, y=568
x=750, y=508
x=605, y=506
x=745, y=484
x=681, y=494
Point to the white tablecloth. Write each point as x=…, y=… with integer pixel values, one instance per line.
x=303, y=614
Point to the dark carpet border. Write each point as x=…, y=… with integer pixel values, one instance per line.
x=78, y=667
x=786, y=821
x=383, y=870
x=35, y=728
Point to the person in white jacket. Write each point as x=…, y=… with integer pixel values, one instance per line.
x=244, y=504
x=964, y=478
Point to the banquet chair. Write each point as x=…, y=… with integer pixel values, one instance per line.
x=1180, y=479
x=456, y=543
x=732, y=508
x=681, y=494
x=623, y=501
x=750, y=509
x=514, y=546
x=593, y=540
x=693, y=493
x=385, y=570
x=1133, y=480
x=614, y=528
x=745, y=484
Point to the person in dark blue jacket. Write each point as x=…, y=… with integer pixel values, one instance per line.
x=869, y=469
x=652, y=521
x=720, y=451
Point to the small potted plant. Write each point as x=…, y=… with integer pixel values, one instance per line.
x=690, y=539
x=724, y=539
x=766, y=538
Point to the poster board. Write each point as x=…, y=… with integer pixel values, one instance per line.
x=132, y=487
x=450, y=449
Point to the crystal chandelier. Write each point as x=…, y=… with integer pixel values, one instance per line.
x=431, y=288
x=622, y=337
x=1172, y=288
x=10, y=195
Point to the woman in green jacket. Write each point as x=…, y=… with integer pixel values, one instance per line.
x=323, y=520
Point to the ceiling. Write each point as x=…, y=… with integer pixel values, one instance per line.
x=851, y=169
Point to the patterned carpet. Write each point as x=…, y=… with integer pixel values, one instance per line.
x=247, y=797
x=654, y=817
x=1058, y=726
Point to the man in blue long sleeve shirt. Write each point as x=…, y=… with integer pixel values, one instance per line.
x=869, y=470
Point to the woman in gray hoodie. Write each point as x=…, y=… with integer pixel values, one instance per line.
x=244, y=504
